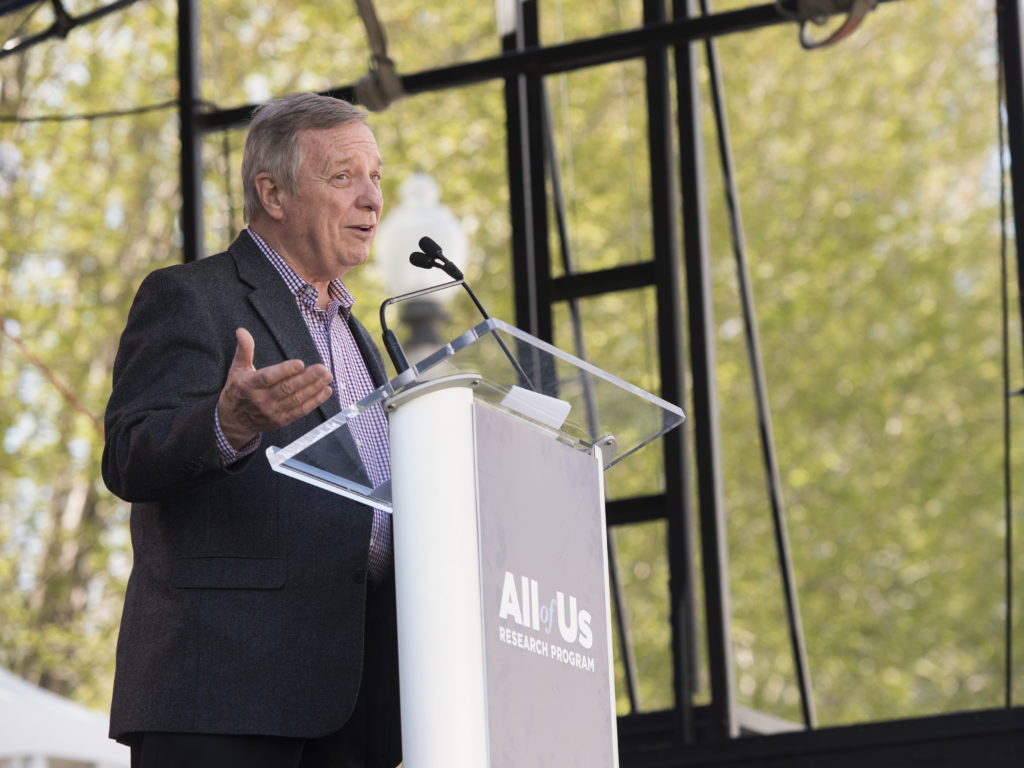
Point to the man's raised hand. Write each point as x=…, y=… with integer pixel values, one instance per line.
x=254, y=401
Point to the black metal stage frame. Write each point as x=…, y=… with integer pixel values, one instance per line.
x=719, y=732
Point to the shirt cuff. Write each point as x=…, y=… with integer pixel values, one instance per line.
x=227, y=452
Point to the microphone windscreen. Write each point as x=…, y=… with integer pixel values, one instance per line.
x=429, y=246
x=421, y=260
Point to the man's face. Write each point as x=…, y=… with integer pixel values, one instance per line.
x=330, y=221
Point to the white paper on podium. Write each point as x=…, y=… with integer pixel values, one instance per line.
x=548, y=410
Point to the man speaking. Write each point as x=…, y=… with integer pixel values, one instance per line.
x=259, y=620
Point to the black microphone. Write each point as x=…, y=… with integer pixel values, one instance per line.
x=421, y=260
x=434, y=257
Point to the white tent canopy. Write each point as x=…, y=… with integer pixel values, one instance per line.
x=37, y=726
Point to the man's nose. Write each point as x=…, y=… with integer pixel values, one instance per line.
x=370, y=196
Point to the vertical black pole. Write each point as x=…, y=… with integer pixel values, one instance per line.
x=191, y=147
x=531, y=268
x=707, y=438
x=518, y=164
x=1008, y=29
x=1009, y=32
x=671, y=351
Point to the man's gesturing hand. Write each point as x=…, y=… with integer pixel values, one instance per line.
x=257, y=401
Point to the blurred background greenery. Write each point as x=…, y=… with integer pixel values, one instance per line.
x=869, y=180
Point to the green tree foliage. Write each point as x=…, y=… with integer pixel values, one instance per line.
x=867, y=180
x=91, y=210
x=867, y=176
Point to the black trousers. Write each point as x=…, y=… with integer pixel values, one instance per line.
x=370, y=739
x=206, y=750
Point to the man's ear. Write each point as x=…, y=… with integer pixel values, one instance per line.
x=270, y=195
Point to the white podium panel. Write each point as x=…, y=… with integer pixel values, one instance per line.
x=503, y=605
x=544, y=571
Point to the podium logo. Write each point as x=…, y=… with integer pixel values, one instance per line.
x=522, y=605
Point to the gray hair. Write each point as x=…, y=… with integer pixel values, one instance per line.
x=272, y=144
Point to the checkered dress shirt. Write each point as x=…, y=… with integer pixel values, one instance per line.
x=337, y=347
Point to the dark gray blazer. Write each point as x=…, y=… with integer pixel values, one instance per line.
x=245, y=608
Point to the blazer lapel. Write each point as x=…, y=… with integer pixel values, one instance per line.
x=276, y=306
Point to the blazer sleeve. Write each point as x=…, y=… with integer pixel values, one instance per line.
x=170, y=367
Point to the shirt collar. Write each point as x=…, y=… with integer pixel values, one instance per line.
x=336, y=290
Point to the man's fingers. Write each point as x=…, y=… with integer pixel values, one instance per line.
x=280, y=374
x=279, y=394
x=304, y=398
x=283, y=379
x=256, y=400
x=296, y=390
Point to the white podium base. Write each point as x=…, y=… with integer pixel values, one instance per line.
x=437, y=570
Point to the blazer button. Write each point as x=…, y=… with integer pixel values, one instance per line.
x=358, y=576
x=192, y=467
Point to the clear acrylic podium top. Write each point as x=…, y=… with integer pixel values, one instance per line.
x=510, y=370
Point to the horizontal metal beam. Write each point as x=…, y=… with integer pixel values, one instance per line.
x=624, y=278
x=992, y=738
x=638, y=509
x=565, y=57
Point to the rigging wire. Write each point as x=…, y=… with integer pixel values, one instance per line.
x=381, y=85
x=23, y=23
x=90, y=116
x=1008, y=394
x=817, y=11
x=755, y=359
x=63, y=23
